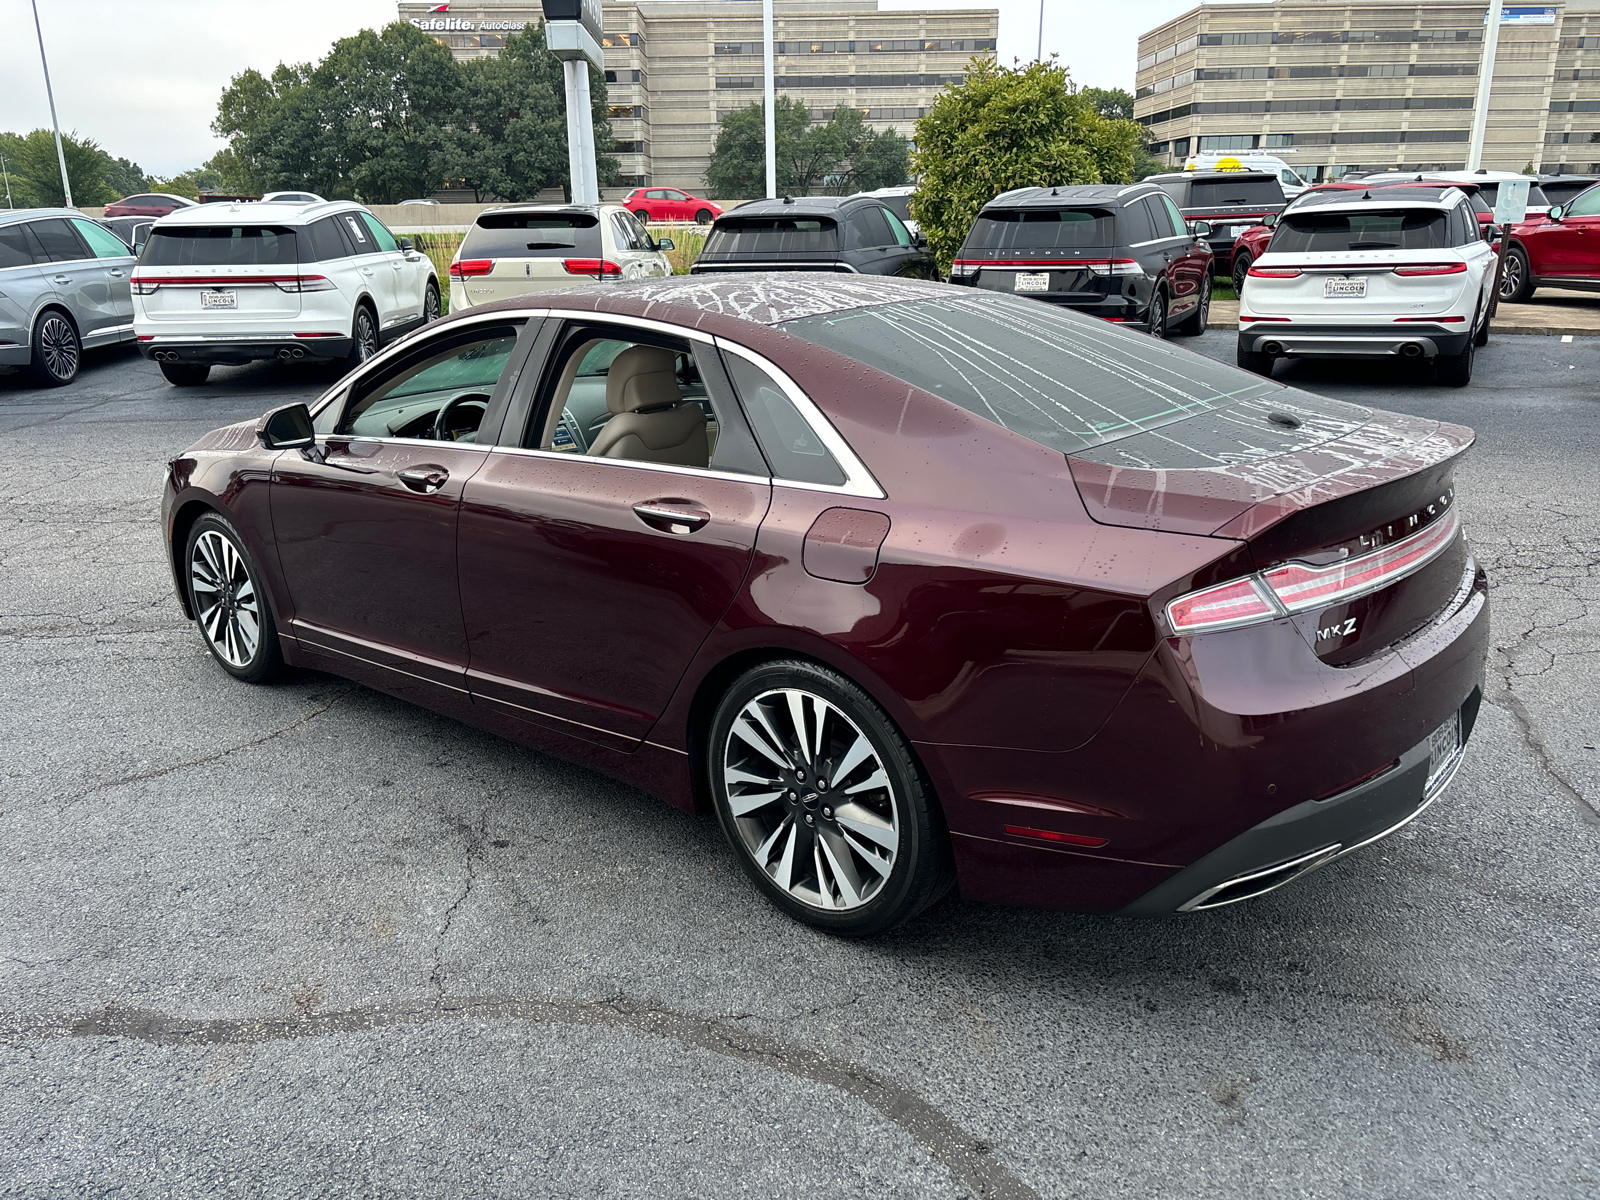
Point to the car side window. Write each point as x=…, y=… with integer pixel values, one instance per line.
x=792, y=447
x=867, y=230
x=1587, y=204
x=355, y=229
x=1135, y=224
x=327, y=241
x=628, y=235
x=59, y=242
x=15, y=248
x=1174, y=215
x=384, y=238
x=103, y=242
x=449, y=379
x=902, y=235
x=619, y=397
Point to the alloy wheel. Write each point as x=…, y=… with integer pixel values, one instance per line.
x=1510, y=277
x=225, y=598
x=811, y=800
x=430, y=306
x=366, y=334
x=58, y=344
x=1158, y=315
x=1241, y=271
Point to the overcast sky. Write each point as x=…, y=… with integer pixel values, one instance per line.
x=142, y=77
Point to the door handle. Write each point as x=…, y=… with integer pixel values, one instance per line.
x=424, y=479
x=366, y=270
x=115, y=274
x=671, y=516
x=61, y=279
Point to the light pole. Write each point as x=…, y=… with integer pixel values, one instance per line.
x=1480, y=113
x=7, y=175
x=769, y=94
x=1038, y=53
x=61, y=158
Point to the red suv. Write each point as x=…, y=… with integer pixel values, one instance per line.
x=1562, y=250
x=147, y=204
x=670, y=204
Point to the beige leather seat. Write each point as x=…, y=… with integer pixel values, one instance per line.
x=650, y=421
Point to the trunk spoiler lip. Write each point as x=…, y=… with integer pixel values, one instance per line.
x=1240, y=500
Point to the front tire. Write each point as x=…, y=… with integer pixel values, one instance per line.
x=430, y=303
x=1195, y=323
x=823, y=801
x=56, y=352
x=182, y=374
x=1516, y=281
x=229, y=603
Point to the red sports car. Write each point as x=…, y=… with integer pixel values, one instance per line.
x=1560, y=250
x=147, y=204
x=670, y=204
x=912, y=585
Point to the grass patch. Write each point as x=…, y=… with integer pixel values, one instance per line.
x=687, y=242
x=1222, y=291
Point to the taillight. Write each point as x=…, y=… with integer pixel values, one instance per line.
x=143, y=287
x=1274, y=272
x=1454, y=268
x=966, y=268
x=1296, y=587
x=305, y=283
x=597, y=267
x=1115, y=266
x=469, y=267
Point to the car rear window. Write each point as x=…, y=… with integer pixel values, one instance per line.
x=534, y=235
x=774, y=236
x=220, y=246
x=900, y=206
x=1042, y=229
x=1064, y=380
x=1221, y=193
x=1376, y=229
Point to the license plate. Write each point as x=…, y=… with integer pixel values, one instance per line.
x=1443, y=745
x=1343, y=288
x=219, y=299
x=1033, y=281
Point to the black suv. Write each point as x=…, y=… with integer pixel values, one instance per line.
x=1121, y=252
x=1229, y=201
x=849, y=234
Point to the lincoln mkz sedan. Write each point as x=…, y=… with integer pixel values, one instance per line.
x=911, y=585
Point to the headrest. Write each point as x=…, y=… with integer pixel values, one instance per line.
x=642, y=377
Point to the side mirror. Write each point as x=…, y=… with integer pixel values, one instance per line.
x=919, y=240
x=287, y=428
x=1492, y=233
x=1200, y=229
x=1558, y=212
x=665, y=244
x=1270, y=220
x=406, y=244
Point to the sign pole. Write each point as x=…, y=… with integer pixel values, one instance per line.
x=1480, y=112
x=574, y=29
x=770, y=98
x=61, y=158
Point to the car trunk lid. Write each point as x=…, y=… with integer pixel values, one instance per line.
x=224, y=274
x=1356, y=283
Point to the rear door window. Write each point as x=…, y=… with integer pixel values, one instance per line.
x=15, y=248
x=59, y=242
x=774, y=236
x=326, y=241
x=1225, y=193
x=867, y=230
x=1042, y=229
x=1135, y=225
x=791, y=446
x=356, y=230
x=220, y=246
x=1391, y=229
x=534, y=235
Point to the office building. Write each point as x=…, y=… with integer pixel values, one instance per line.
x=1373, y=85
x=674, y=68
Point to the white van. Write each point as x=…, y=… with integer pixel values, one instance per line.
x=1290, y=180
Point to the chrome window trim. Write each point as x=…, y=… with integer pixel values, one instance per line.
x=670, y=468
x=322, y=439
x=859, y=481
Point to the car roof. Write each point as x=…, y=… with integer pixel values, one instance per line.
x=1100, y=194
x=1207, y=176
x=257, y=212
x=551, y=208
x=790, y=206
x=10, y=216
x=1395, y=197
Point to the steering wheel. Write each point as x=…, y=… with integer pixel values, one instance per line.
x=442, y=430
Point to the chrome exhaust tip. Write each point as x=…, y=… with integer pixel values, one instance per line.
x=298, y=353
x=1273, y=348
x=285, y=354
x=1411, y=350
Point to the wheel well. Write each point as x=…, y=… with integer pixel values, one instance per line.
x=182, y=522
x=59, y=308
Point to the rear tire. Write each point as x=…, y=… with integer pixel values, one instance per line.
x=643, y=214
x=856, y=863
x=1516, y=282
x=228, y=597
x=181, y=374
x=703, y=217
x=1250, y=360
x=1481, y=338
x=1241, y=268
x=1195, y=323
x=1156, y=315
x=363, y=336
x=1455, y=371
x=55, y=351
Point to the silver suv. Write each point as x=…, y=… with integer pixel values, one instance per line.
x=63, y=289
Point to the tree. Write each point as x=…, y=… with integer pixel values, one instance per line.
x=124, y=177
x=36, y=172
x=808, y=153
x=883, y=160
x=1004, y=128
x=1114, y=104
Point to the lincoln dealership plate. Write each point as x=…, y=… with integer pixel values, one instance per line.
x=219, y=299
x=1344, y=288
x=1033, y=281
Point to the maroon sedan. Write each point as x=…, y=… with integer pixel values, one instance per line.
x=910, y=584
x=147, y=204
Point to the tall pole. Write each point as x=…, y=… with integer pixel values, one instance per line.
x=1038, y=54
x=7, y=175
x=1480, y=113
x=770, y=96
x=591, y=178
x=61, y=158
x=580, y=132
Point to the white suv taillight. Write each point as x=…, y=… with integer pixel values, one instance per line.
x=146, y=285
x=304, y=283
x=1296, y=587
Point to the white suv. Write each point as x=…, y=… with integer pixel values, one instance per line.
x=524, y=248
x=1391, y=272
x=231, y=283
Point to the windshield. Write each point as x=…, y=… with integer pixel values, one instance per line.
x=1376, y=229
x=774, y=236
x=1220, y=193
x=1062, y=379
x=1041, y=229
x=533, y=235
x=220, y=246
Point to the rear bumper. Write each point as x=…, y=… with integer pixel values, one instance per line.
x=1353, y=341
x=1309, y=835
x=15, y=356
x=241, y=348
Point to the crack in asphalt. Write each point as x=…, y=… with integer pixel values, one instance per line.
x=474, y=845
x=965, y=1157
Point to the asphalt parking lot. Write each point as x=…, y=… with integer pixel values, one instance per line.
x=305, y=939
